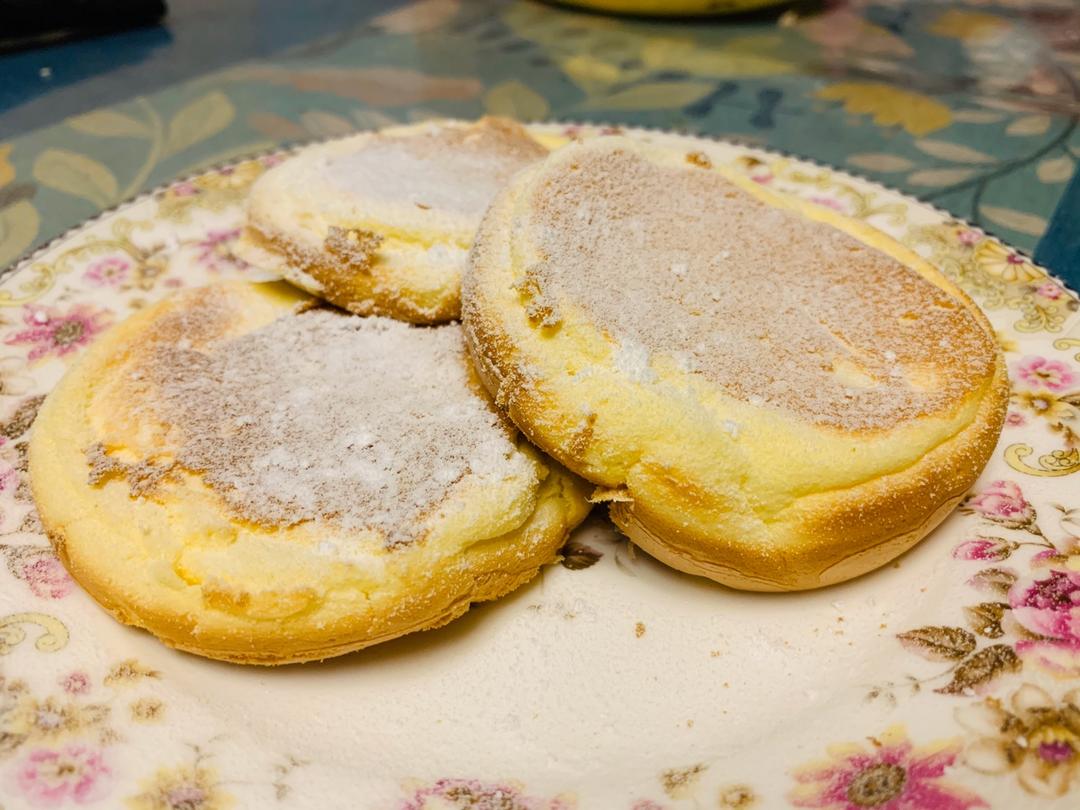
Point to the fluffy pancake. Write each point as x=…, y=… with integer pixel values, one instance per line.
x=381, y=222
x=255, y=479
x=772, y=395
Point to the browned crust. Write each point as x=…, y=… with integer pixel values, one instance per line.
x=495, y=570
x=844, y=534
x=838, y=535
x=369, y=291
x=354, y=279
x=211, y=621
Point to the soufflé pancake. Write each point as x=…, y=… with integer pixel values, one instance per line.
x=768, y=393
x=253, y=478
x=381, y=222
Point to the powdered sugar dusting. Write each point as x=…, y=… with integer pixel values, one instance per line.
x=773, y=308
x=365, y=422
x=444, y=168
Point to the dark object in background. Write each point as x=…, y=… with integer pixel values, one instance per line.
x=28, y=23
x=1059, y=248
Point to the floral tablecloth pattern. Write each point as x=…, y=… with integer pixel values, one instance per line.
x=971, y=105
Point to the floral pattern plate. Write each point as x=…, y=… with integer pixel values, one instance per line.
x=948, y=680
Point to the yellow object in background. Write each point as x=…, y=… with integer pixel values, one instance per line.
x=673, y=8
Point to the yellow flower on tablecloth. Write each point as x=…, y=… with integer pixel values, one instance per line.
x=1008, y=265
x=918, y=114
x=590, y=73
x=757, y=55
x=19, y=219
x=182, y=788
x=970, y=26
x=7, y=171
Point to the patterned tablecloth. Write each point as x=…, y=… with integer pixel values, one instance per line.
x=972, y=105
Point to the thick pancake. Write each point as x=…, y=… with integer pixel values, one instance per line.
x=381, y=222
x=774, y=396
x=257, y=480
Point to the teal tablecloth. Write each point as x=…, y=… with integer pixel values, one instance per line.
x=970, y=105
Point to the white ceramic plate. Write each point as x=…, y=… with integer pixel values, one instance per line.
x=948, y=680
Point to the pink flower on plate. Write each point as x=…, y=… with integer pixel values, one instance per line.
x=762, y=179
x=9, y=477
x=1002, y=502
x=185, y=188
x=828, y=202
x=1015, y=419
x=984, y=548
x=1050, y=607
x=1050, y=290
x=49, y=777
x=891, y=774
x=969, y=237
x=47, y=578
x=51, y=332
x=215, y=250
x=1042, y=372
x=75, y=683
x=1049, y=558
x=108, y=272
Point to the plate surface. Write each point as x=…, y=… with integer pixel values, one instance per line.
x=947, y=680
